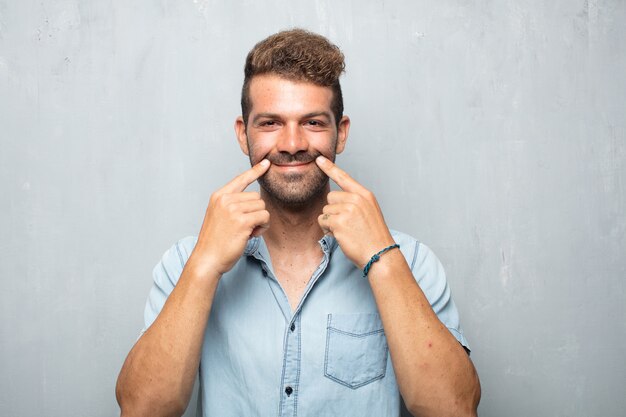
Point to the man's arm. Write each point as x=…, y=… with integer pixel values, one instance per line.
x=434, y=373
x=158, y=374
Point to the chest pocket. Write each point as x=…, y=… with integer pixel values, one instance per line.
x=356, y=349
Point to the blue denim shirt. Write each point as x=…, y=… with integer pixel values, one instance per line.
x=329, y=357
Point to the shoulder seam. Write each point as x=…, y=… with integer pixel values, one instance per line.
x=180, y=255
x=415, y=254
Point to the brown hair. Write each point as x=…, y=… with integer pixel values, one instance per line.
x=297, y=55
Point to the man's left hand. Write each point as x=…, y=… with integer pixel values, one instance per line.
x=353, y=217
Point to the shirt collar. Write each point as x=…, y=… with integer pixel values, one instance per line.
x=256, y=246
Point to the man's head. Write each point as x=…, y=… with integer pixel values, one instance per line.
x=292, y=111
x=296, y=55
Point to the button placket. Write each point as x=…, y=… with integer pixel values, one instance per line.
x=291, y=368
x=292, y=342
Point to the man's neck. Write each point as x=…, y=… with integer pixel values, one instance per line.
x=294, y=229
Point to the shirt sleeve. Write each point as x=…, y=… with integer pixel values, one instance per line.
x=431, y=277
x=165, y=275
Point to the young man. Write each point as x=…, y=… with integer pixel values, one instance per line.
x=298, y=300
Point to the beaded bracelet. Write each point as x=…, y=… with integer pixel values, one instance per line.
x=376, y=257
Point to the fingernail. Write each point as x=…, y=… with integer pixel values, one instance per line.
x=264, y=163
x=321, y=159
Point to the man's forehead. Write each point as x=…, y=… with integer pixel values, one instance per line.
x=271, y=93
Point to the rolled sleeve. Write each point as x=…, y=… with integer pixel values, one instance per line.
x=165, y=275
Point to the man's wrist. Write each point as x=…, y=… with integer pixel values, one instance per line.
x=203, y=269
x=376, y=257
x=386, y=264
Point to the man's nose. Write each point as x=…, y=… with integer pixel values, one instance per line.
x=292, y=140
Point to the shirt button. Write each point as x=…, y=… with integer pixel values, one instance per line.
x=288, y=391
x=292, y=327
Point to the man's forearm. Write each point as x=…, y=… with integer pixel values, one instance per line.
x=159, y=372
x=434, y=373
x=158, y=375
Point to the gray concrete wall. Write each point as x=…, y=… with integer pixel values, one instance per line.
x=494, y=131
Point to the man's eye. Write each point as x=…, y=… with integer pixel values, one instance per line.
x=314, y=123
x=268, y=123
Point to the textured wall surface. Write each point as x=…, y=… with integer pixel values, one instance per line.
x=493, y=131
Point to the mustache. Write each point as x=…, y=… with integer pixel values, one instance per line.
x=283, y=158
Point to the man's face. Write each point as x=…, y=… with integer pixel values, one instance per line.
x=291, y=123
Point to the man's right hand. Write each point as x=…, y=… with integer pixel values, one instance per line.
x=232, y=217
x=158, y=374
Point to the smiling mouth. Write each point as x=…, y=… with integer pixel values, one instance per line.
x=293, y=164
x=286, y=160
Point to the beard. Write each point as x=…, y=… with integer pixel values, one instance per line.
x=293, y=189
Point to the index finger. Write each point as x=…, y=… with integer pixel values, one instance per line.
x=341, y=177
x=241, y=181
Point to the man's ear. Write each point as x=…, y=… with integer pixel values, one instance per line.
x=242, y=136
x=342, y=133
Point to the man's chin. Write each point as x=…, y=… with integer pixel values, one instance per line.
x=294, y=193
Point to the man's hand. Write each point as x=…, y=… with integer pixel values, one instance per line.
x=232, y=217
x=423, y=352
x=353, y=217
x=158, y=374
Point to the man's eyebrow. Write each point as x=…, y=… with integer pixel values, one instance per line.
x=325, y=114
x=317, y=114
x=265, y=116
